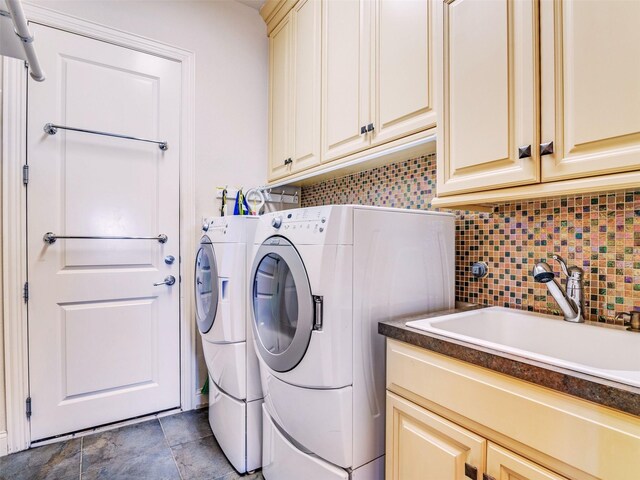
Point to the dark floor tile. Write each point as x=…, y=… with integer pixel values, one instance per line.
x=56, y=461
x=186, y=426
x=201, y=460
x=118, y=446
x=154, y=465
x=246, y=476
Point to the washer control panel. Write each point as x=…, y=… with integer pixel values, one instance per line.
x=311, y=221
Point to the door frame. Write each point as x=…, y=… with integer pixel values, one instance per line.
x=14, y=226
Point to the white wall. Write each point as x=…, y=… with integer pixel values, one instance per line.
x=3, y=420
x=230, y=45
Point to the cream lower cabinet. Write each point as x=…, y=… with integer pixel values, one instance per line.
x=503, y=464
x=294, y=95
x=451, y=420
x=424, y=446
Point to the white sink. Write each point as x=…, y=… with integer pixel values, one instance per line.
x=609, y=353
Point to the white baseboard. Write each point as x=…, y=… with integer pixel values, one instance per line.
x=4, y=447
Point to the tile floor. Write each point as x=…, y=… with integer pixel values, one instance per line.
x=180, y=447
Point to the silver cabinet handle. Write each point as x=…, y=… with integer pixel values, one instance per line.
x=168, y=280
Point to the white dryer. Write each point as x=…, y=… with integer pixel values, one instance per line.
x=223, y=316
x=323, y=277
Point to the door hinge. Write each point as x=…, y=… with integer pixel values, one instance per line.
x=25, y=291
x=25, y=174
x=28, y=407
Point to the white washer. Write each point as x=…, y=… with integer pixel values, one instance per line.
x=222, y=313
x=323, y=278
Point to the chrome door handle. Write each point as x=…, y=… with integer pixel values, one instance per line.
x=168, y=280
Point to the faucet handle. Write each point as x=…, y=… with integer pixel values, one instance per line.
x=562, y=263
x=571, y=272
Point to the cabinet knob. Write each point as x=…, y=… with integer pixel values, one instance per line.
x=363, y=130
x=288, y=161
x=370, y=127
x=470, y=471
x=524, y=151
x=546, y=148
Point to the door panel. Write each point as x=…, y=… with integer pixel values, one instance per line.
x=590, y=77
x=345, y=77
x=505, y=465
x=489, y=106
x=422, y=445
x=403, y=91
x=103, y=341
x=306, y=125
x=123, y=361
x=280, y=98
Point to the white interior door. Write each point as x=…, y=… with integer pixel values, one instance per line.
x=103, y=340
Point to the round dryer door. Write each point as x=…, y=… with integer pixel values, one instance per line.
x=282, y=304
x=206, y=287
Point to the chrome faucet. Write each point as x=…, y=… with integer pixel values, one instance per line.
x=571, y=301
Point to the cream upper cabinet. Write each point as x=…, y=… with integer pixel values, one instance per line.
x=421, y=445
x=306, y=84
x=280, y=108
x=489, y=111
x=294, y=100
x=378, y=80
x=503, y=464
x=346, y=61
x=590, y=87
x=403, y=92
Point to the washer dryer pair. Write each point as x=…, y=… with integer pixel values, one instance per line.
x=322, y=278
x=223, y=316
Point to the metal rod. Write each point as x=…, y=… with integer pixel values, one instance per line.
x=22, y=31
x=52, y=129
x=51, y=237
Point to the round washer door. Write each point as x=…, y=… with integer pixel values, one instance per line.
x=206, y=287
x=282, y=304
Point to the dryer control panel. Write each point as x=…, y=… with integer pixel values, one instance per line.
x=326, y=224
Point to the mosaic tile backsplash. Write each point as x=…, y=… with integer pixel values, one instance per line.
x=600, y=233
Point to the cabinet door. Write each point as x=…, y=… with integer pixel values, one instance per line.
x=306, y=85
x=503, y=464
x=402, y=99
x=421, y=445
x=280, y=98
x=346, y=73
x=490, y=97
x=590, y=68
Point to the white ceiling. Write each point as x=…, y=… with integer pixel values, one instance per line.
x=252, y=3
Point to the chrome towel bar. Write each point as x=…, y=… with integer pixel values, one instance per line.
x=52, y=129
x=51, y=237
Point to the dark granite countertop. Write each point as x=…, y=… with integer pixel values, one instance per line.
x=604, y=392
